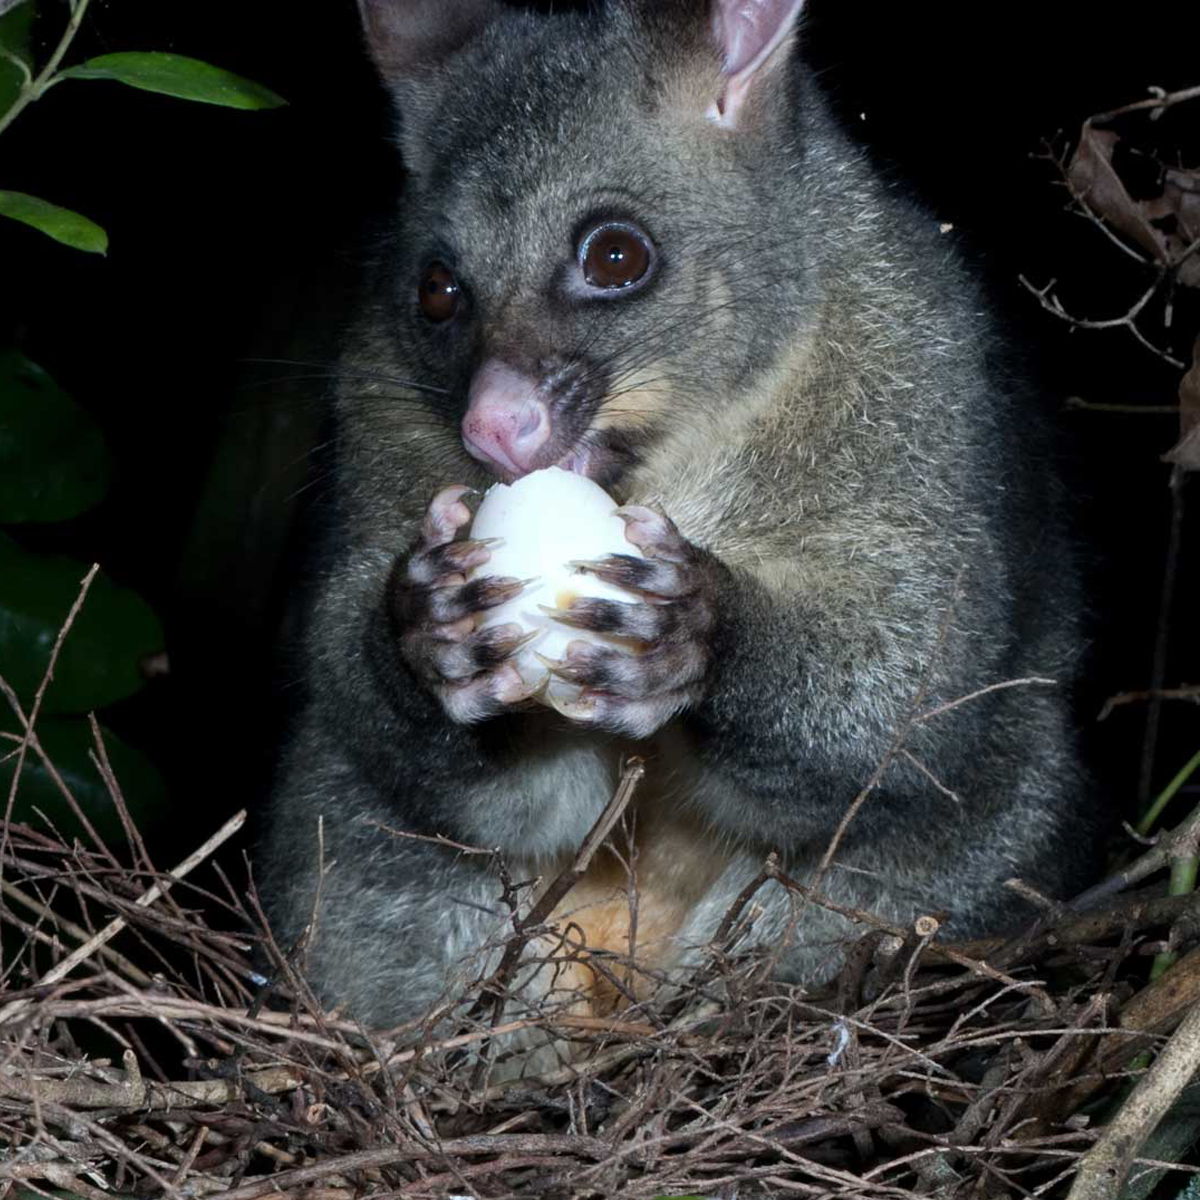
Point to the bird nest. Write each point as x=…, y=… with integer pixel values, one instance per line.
x=158, y=1041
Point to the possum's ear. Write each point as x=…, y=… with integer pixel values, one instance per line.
x=408, y=38
x=753, y=37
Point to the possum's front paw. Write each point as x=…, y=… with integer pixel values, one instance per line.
x=670, y=629
x=435, y=612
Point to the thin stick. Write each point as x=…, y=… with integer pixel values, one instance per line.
x=526, y=1143
x=1191, y=694
x=32, y=89
x=983, y=691
x=1181, y=842
x=1162, y=637
x=1106, y=1165
x=136, y=1093
x=47, y=676
x=77, y=932
x=147, y=898
x=899, y=737
x=631, y=776
x=1159, y=101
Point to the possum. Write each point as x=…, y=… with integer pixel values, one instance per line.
x=636, y=243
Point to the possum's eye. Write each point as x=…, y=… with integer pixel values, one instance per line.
x=439, y=292
x=615, y=255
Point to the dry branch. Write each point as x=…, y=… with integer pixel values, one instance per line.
x=115, y=926
x=1106, y=1165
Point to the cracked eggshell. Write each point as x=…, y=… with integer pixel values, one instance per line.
x=545, y=520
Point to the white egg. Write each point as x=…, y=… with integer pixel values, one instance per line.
x=545, y=521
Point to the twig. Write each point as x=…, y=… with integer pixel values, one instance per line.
x=1188, y=693
x=519, y=1143
x=1078, y=404
x=899, y=737
x=1168, y=794
x=1127, y=320
x=62, y=1175
x=188, y=1159
x=32, y=90
x=1162, y=636
x=1159, y=101
x=913, y=760
x=983, y=691
x=1106, y=1165
x=115, y=926
x=136, y=1093
x=76, y=932
x=29, y=722
x=524, y=927
x=99, y=757
x=1182, y=842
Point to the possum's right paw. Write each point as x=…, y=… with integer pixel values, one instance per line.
x=435, y=612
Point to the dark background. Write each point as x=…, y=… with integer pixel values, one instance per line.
x=234, y=234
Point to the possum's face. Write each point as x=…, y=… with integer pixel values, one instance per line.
x=584, y=259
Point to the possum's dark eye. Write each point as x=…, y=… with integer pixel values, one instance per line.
x=439, y=292
x=615, y=256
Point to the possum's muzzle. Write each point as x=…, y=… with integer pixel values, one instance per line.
x=517, y=422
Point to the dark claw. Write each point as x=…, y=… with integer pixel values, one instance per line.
x=436, y=615
x=558, y=667
x=633, y=676
x=624, y=570
x=474, y=543
x=637, y=718
x=579, y=617
x=492, y=591
x=491, y=647
x=454, y=558
x=625, y=619
x=446, y=605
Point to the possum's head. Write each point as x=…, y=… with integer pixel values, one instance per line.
x=599, y=227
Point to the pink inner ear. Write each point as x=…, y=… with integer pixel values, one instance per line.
x=748, y=30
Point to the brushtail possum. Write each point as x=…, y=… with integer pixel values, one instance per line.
x=635, y=243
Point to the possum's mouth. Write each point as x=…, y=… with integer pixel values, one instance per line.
x=605, y=456
x=517, y=421
x=578, y=460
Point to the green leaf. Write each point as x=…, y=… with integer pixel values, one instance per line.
x=101, y=656
x=61, y=224
x=175, y=75
x=67, y=741
x=54, y=464
x=15, y=28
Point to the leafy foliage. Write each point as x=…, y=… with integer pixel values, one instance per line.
x=62, y=224
x=16, y=27
x=55, y=466
x=176, y=75
x=99, y=661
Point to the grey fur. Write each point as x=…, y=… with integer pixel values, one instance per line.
x=828, y=421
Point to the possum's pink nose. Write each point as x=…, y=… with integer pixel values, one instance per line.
x=506, y=423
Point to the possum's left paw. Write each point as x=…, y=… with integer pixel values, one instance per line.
x=636, y=691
